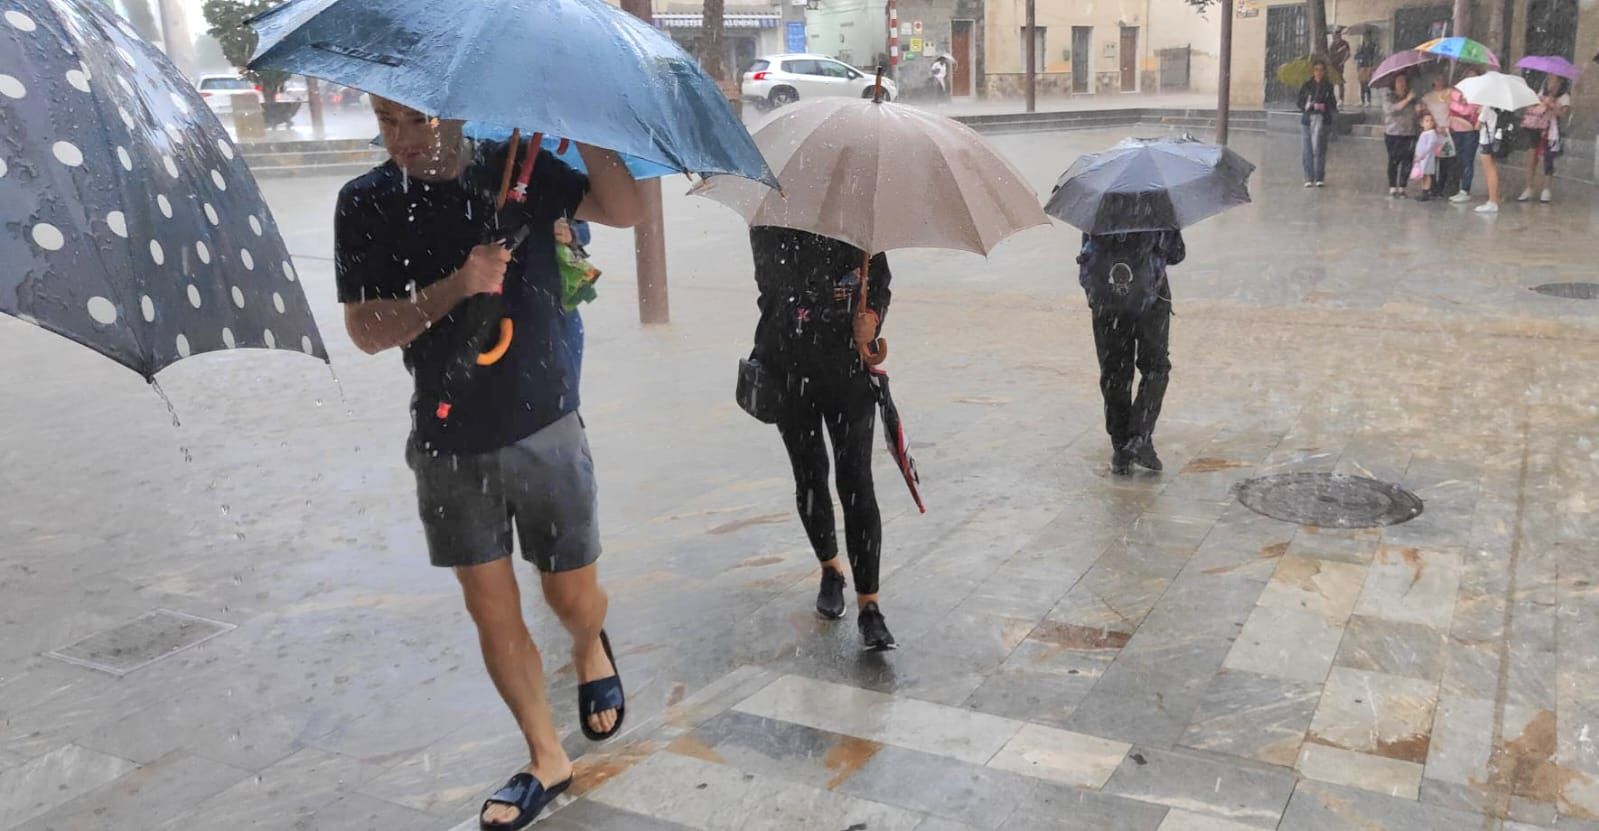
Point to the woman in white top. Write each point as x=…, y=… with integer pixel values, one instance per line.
x=1491, y=140
x=1543, y=122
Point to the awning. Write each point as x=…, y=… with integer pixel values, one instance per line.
x=731, y=21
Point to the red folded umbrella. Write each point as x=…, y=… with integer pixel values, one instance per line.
x=1397, y=64
x=894, y=434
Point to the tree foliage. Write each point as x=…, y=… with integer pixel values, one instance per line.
x=227, y=21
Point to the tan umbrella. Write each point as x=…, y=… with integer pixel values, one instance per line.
x=882, y=176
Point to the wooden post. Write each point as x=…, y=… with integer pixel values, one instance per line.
x=1032, y=56
x=1224, y=78
x=649, y=237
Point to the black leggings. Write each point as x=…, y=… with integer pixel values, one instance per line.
x=1401, y=157
x=849, y=416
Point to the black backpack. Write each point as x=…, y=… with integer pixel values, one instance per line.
x=1121, y=273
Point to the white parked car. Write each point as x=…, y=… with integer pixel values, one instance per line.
x=218, y=91
x=776, y=80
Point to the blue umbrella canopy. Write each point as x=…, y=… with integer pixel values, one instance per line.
x=1150, y=185
x=132, y=225
x=564, y=150
x=579, y=69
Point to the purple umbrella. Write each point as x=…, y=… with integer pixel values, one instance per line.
x=1398, y=64
x=1550, y=64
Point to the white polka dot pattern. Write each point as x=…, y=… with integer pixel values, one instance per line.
x=142, y=212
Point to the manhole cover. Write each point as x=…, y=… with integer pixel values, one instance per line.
x=1570, y=291
x=140, y=642
x=1329, y=500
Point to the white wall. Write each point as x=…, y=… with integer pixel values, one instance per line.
x=1175, y=23
x=853, y=29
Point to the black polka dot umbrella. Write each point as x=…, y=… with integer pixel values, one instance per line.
x=131, y=225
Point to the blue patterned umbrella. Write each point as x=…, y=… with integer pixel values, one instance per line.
x=131, y=224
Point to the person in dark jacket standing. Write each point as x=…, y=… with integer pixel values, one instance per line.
x=1124, y=277
x=809, y=327
x=1318, y=109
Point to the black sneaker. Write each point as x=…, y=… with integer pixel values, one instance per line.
x=874, y=629
x=1121, y=462
x=830, y=598
x=1142, y=451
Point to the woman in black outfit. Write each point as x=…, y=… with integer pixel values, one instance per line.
x=807, y=337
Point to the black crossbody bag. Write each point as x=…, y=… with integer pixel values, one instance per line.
x=759, y=391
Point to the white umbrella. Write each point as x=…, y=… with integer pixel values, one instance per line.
x=1498, y=90
x=882, y=176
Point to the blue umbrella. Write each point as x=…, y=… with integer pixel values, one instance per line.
x=132, y=225
x=574, y=68
x=563, y=150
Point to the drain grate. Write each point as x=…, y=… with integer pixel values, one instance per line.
x=1570, y=291
x=1329, y=500
x=140, y=642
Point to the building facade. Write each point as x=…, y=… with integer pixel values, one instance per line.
x=748, y=31
x=1268, y=33
x=1102, y=47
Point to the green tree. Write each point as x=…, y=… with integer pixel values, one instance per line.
x=227, y=21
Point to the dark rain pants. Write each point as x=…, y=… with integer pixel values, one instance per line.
x=1126, y=342
x=849, y=414
x=1401, y=157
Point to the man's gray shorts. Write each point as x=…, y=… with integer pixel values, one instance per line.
x=543, y=485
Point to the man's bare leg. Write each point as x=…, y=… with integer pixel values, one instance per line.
x=495, y=603
x=577, y=599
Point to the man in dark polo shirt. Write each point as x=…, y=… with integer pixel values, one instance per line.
x=496, y=449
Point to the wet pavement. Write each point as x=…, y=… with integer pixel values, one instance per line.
x=1078, y=651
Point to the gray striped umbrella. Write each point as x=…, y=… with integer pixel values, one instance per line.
x=132, y=226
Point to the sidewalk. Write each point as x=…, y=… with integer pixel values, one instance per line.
x=1078, y=652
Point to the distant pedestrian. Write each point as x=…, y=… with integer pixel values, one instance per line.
x=806, y=343
x=1124, y=277
x=1494, y=146
x=1338, y=51
x=1464, y=132
x=940, y=73
x=1365, y=64
x=1400, y=128
x=1429, y=146
x=1318, y=109
x=1542, y=122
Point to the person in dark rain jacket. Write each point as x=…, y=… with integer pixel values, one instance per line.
x=1124, y=276
x=1318, y=109
x=807, y=335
